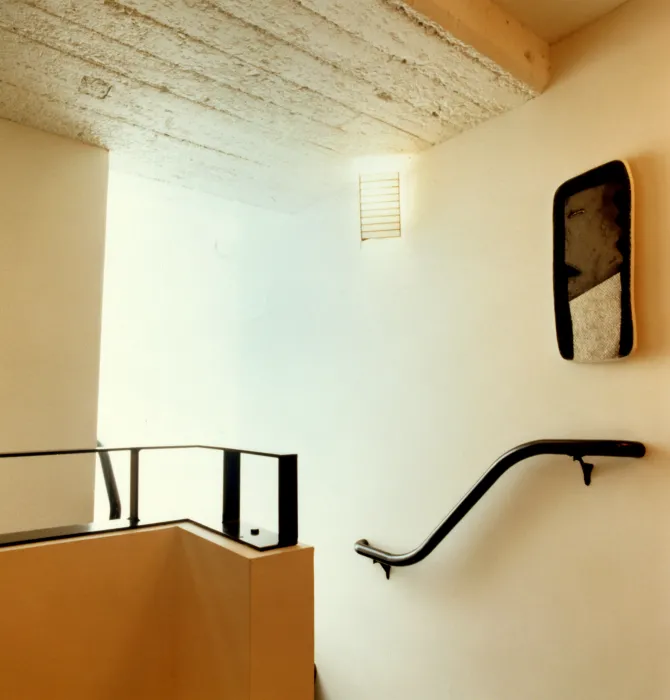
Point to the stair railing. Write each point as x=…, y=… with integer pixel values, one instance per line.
x=231, y=524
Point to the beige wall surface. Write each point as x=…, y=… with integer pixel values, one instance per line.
x=399, y=370
x=158, y=613
x=52, y=226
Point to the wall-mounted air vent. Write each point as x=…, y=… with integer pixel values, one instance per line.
x=380, y=205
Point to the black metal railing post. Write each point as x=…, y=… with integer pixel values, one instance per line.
x=288, y=500
x=134, y=487
x=231, y=492
x=110, y=484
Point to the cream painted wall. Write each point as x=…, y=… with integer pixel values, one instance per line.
x=52, y=225
x=175, y=263
x=399, y=370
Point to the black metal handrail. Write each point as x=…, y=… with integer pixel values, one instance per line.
x=110, y=484
x=232, y=527
x=577, y=449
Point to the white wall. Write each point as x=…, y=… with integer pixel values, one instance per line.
x=399, y=370
x=52, y=227
x=172, y=302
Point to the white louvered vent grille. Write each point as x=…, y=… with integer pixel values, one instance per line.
x=380, y=205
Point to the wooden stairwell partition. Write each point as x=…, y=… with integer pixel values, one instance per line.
x=171, y=612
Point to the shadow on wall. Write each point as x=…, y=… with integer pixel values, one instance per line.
x=652, y=251
x=319, y=690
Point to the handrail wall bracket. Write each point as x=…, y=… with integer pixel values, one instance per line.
x=587, y=469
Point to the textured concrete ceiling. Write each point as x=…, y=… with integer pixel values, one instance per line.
x=555, y=19
x=262, y=101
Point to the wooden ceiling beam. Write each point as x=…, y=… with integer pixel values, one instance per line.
x=494, y=33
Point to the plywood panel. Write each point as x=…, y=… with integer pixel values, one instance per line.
x=172, y=612
x=248, y=623
x=89, y=619
x=214, y=640
x=282, y=626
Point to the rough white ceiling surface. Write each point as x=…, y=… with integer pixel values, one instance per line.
x=555, y=19
x=261, y=101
